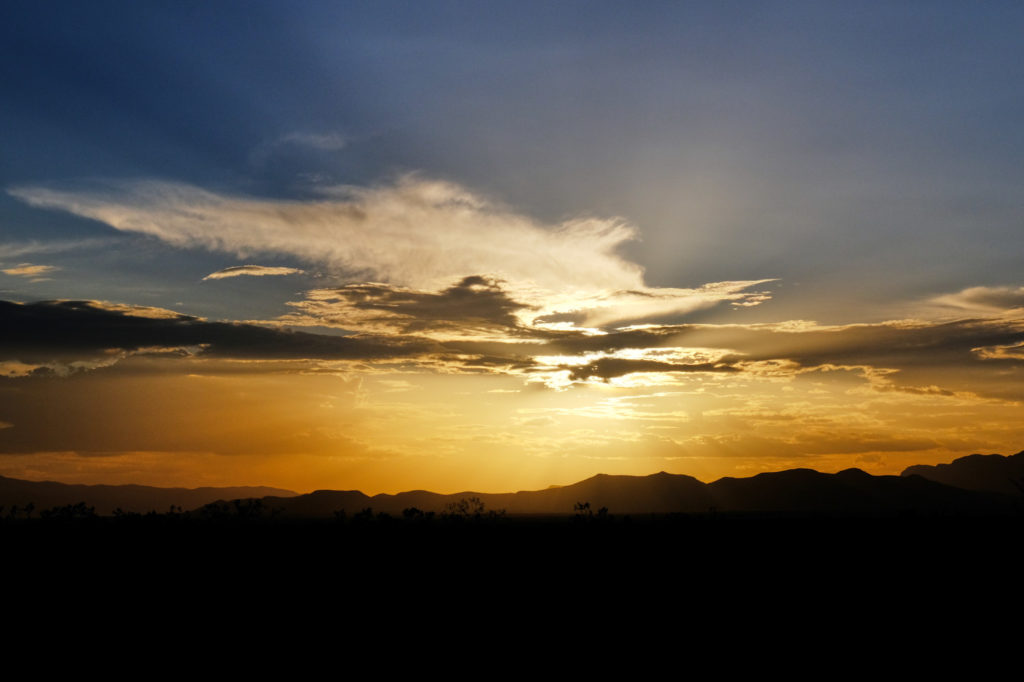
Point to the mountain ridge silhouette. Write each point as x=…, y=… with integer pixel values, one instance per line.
x=938, y=489
x=128, y=497
x=793, y=491
x=995, y=473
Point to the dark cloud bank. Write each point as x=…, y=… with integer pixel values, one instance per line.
x=394, y=324
x=39, y=332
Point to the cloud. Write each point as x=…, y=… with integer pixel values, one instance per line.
x=985, y=299
x=473, y=326
x=452, y=281
x=12, y=250
x=611, y=367
x=978, y=357
x=49, y=333
x=29, y=270
x=475, y=307
x=297, y=141
x=329, y=142
x=417, y=233
x=253, y=271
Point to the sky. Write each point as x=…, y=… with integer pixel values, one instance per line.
x=504, y=245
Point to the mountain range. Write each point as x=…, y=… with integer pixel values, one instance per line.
x=795, y=491
x=976, y=484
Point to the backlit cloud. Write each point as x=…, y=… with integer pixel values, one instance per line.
x=252, y=271
x=474, y=307
x=474, y=327
x=416, y=233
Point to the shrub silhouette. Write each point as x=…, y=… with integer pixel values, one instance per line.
x=70, y=512
x=472, y=508
x=363, y=516
x=416, y=514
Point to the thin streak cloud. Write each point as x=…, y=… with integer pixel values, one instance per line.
x=13, y=250
x=252, y=271
x=323, y=141
x=318, y=142
x=29, y=270
x=985, y=300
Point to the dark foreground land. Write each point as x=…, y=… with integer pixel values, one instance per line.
x=671, y=580
x=180, y=549
x=880, y=555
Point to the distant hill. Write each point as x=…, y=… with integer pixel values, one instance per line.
x=995, y=473
x=796, y=491
x=978, y=484
x=130, y=498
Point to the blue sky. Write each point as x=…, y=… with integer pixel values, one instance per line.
x=872, y=146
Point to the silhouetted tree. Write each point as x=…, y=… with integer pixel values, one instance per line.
x=249, y=509
x=585, y=513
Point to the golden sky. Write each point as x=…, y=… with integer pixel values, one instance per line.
x=488, y=401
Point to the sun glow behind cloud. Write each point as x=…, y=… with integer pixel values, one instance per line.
x=407, y=403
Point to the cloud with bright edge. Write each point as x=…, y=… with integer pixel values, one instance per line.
x=417, y=233
x=252, y=271
x=29, y=270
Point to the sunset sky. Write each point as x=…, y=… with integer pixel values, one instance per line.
x=502, y=245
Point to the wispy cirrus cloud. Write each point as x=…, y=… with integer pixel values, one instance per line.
x=253, y=271
x=416, y=233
